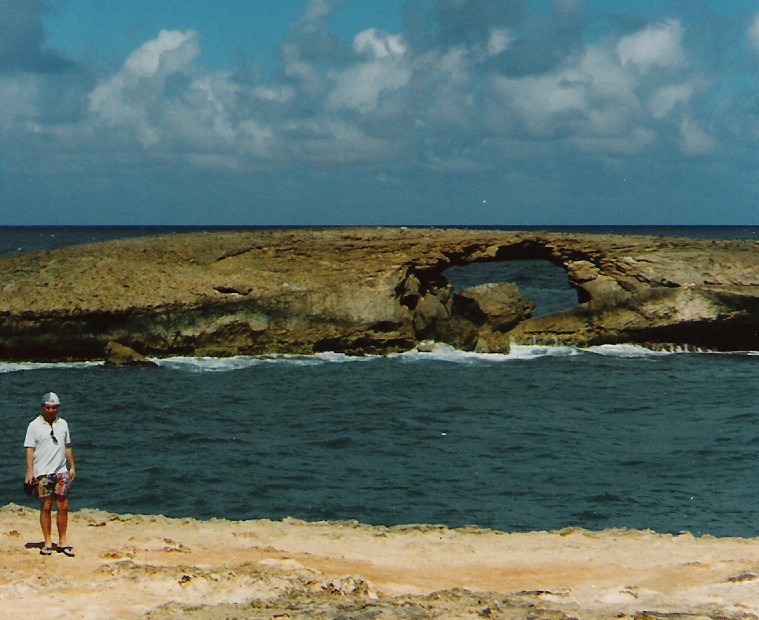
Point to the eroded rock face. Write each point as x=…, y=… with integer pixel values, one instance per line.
x=367, y=291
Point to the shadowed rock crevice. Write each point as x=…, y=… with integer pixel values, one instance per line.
x=362, y=291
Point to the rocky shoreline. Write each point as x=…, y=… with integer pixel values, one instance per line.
x=157, y=568
x=367, y=291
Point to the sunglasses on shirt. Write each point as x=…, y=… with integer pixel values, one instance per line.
x=52, y=435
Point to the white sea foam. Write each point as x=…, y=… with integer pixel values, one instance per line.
x=519, y=351
x=437, y=352
x=446, y=353
x=7, y=367
x=628, y=350
x=224, y=364
x=205, y=364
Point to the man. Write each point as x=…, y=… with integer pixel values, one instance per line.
x=48, y=448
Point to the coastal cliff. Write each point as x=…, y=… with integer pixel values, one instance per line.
x=363, y=291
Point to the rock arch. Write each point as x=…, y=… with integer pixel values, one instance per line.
x=481, y=316
x=374, y=290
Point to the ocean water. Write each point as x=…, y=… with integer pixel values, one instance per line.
x=540, y=439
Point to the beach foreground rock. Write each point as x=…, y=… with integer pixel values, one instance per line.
x=129, y=566
x=362, y=291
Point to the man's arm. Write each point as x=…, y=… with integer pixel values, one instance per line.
x=70, y=459
x=29, y=465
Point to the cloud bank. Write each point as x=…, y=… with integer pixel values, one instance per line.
x=472, y=101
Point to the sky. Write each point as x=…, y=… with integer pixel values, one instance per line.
x=379, y=112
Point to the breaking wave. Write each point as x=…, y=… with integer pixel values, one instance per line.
x=435, y=353
x=7, y=367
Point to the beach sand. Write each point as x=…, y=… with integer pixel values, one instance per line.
x=129, y=566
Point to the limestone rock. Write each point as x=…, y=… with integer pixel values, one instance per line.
x=493, y=309
x=430, y=311
x=351, y=585
x=117, y=354
x=364, y=291
x=502, y=306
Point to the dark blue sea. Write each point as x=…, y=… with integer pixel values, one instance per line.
x=540, y=439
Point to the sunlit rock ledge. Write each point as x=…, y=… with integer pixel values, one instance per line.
x=360, y=291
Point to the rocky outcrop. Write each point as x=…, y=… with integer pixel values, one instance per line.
x=116, y=354
x=367, y=291
x=494, y=309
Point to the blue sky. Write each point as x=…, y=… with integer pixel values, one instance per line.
x=480, y=112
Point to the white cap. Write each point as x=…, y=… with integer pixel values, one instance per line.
x=51, y=398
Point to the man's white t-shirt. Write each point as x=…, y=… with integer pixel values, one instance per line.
x=49, y=458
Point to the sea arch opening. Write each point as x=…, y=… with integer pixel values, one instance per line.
x=541, y=281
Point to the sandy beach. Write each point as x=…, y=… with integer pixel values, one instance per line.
x=130, y=566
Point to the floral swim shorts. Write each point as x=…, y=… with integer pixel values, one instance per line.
x=58, y=484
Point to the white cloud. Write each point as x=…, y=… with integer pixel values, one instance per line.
x=658, y=46
x=18, y=100
x=695, y=141
x=319, y=9
x=539, y=100
x=335, y=142
x=359, y=86
x=498, y=41
x=200, y=113
x=304, y=72
x=632, y=143
x=384, y=98
x=378, y=44
x=667, y=98
x=480, y=90
x=169, y=105
x=128, y=97
x=279, y=94
x=608, y=98
x=592, y=95
x=171, y=51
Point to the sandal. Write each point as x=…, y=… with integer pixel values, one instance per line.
x=46, y=551
x=67, y=551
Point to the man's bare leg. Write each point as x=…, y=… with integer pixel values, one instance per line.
x=63, y=520
x=46, y=519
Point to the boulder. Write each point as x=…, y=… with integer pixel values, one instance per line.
x=429, y=315
x=501, y=306
x=117, y=354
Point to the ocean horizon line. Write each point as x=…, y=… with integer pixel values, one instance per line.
x=385, y=225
